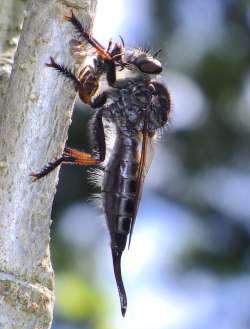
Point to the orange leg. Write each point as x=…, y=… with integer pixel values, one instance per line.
x=80, y=158
x=70, y=156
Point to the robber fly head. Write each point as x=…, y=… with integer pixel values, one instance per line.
x=143, y=61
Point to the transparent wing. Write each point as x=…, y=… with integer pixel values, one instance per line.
x=147, y=154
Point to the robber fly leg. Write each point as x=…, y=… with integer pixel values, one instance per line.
x=70, y=156
x=75, y=157
x=51, y=166
x=99, y=146
x=65, y=72
x=86, y=36
x=110, y=57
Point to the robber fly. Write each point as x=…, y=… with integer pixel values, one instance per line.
x=137, y=107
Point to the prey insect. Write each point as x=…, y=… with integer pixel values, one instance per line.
x=107, y=60
x=136, y=106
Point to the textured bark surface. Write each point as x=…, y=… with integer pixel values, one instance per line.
x=34, y=119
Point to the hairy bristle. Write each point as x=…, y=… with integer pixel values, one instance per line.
x=63, y=71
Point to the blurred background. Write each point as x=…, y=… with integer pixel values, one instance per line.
x=188, y=266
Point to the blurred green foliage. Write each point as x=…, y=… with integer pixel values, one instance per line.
x=79, y=301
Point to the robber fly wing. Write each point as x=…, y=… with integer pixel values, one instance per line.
x=147, y=154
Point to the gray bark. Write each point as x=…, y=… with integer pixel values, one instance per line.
x=35, y=114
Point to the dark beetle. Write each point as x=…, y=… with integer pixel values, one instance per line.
x=136, y=106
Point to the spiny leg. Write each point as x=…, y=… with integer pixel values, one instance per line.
x=111, y=58
x=91, y=40
x=75, y=157
x=86, y=85
x=104, y=54
x=47, y=169
x=64, y=71
x=70, y=156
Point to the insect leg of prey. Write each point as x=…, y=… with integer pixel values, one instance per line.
x=111, y=57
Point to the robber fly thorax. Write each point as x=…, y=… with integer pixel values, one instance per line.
x=136, y=106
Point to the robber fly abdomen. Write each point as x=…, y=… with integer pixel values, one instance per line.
x=119, y=193
x=119, y=188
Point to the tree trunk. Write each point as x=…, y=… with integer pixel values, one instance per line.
x=35, y=115
x=11, y=17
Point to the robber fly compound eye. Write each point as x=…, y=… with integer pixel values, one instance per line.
x=145, y=63
x=150, y=66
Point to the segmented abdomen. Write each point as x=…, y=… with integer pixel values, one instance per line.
x=119, y=189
